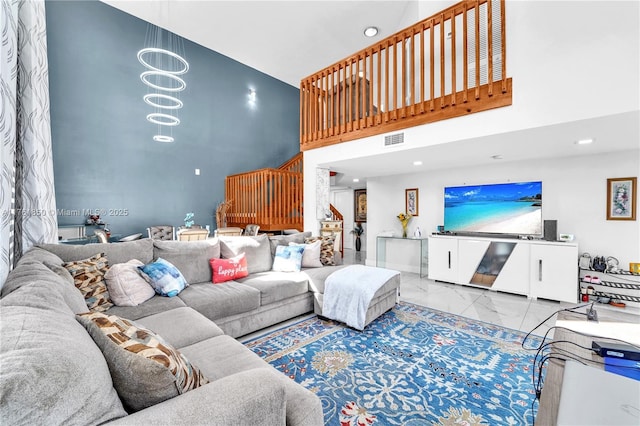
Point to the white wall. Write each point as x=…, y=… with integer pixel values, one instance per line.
x=574, y=194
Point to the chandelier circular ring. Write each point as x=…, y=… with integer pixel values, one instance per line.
x=159, y=118
x=181, y=87
x=162, y=138
x=151, y=50
x=148, y=98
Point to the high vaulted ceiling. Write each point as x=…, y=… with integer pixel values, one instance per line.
x=288, y=40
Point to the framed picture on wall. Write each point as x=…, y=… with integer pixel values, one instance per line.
x=360, y=205
x=621, y=198
x=411, y=201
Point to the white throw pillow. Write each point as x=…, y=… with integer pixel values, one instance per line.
x=311, y=254
x=126, y=286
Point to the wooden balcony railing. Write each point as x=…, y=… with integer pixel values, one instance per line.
x=448, y=65
x=271, y=198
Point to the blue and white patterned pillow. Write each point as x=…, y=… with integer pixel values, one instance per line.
x=165, y=278
x=288, y=258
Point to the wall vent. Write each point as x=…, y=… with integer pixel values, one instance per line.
x=393, y=140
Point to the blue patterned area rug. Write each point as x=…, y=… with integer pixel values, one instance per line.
x=412, y=366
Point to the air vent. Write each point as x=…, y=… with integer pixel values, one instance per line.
x=392, y=140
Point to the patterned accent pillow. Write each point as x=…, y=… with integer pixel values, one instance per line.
x=288, y=259
x=224, y=270
x=311, y=254
x=88, y=277
x=326, y=248
x=165, y=278
x=145, y=369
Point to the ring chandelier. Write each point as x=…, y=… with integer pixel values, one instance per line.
x=164, y=66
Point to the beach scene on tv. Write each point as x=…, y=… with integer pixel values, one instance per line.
x=506, y=208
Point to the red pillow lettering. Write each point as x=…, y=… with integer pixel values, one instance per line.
x=229, y=269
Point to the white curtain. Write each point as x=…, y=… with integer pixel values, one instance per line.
x=27, y=197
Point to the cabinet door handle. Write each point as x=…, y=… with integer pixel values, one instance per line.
x=449, y=253
x=539, y=269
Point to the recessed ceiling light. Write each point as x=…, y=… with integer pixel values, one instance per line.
x=584, y=141
x=417, y=163
x=356, y=180
x=497, y=157
x=371, y=31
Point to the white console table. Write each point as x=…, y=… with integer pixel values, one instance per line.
x=421, y=243
x=534, y=268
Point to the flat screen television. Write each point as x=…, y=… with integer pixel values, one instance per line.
x=503, y=208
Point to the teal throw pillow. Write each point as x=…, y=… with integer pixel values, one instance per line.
x=165, y=278
x=288, y=258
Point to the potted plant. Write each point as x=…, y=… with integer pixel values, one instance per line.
x=357, y=231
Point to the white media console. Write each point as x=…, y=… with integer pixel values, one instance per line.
x=534, y=268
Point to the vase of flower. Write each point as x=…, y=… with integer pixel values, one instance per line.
x=357, y=231
x=404, y=219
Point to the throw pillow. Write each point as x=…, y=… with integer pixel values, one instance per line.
x=165, y=278
x=288, y=259
x=126, y=286
x=88, y=277
x=326, y=248
x=310, y=255
x=228, y=269
x=145, y=369
x=256, y=249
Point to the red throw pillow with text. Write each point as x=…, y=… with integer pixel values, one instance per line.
x=229, y=269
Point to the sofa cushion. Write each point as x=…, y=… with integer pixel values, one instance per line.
x=164, y=277
x=311, y=254
x=152, y=306
x=115, y=252
x=317, y=276
x=276, y=286
x=219, y=301
x=145, y=368
x=190, y=257
x=326, y=248
x=72, y=295
x=181, y=326
x=229, y=269
x=284, y=240
x=288, y=259
x=88, y=277
x=51, y=370
x=126, y=286
x=256, y=249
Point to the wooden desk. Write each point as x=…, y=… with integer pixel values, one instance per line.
x=552, y=386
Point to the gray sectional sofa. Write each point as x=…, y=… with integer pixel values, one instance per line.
x=52, y=371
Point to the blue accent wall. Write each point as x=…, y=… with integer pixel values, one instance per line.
x=104, y=156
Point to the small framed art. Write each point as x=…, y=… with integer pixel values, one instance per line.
x=621, y=198
x=360, y=208
x=411, y=201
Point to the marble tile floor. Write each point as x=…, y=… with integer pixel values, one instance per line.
x=504, y=309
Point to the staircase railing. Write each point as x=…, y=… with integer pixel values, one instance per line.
x=271, y=198
x=448, y=65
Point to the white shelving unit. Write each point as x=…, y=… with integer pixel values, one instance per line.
x=620, y=285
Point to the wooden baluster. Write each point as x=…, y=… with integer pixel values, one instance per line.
x=431, y=66
x=490, y=49
x=302, y=109
x=403, y=66
x=422, y=30
x=412, y=79
x=465, y=57
x=379, y=82
x=370, y=83
x=357, y=93
x=386, y=83
x=330, y=101
x=347, y=113
x=395, y=78
x=453, y=58
x=442, y=62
